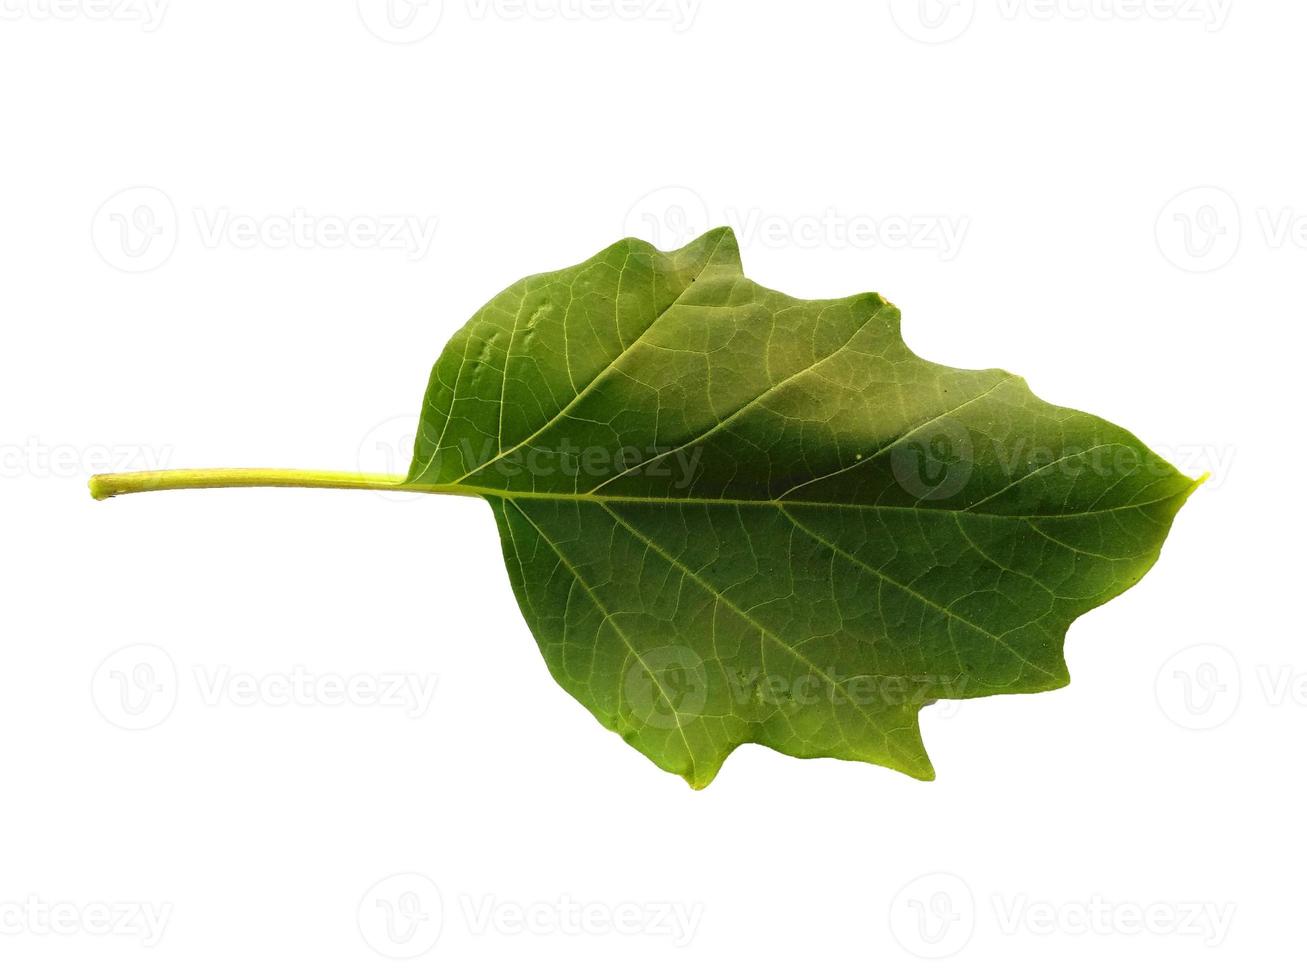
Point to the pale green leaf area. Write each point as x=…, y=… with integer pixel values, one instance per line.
x=731, y=516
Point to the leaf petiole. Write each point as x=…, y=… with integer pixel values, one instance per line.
x=108, y=485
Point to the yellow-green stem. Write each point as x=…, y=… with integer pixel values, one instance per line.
x=115, y=484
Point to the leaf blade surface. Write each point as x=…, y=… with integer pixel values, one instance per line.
x=733, y=516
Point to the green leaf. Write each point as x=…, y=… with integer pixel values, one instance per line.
x=733, y=516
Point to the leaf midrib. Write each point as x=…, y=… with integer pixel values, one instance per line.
x=475, y=490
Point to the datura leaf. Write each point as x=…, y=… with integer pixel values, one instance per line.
x=731, y=516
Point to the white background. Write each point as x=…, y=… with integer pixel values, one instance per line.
x=1044, y=159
